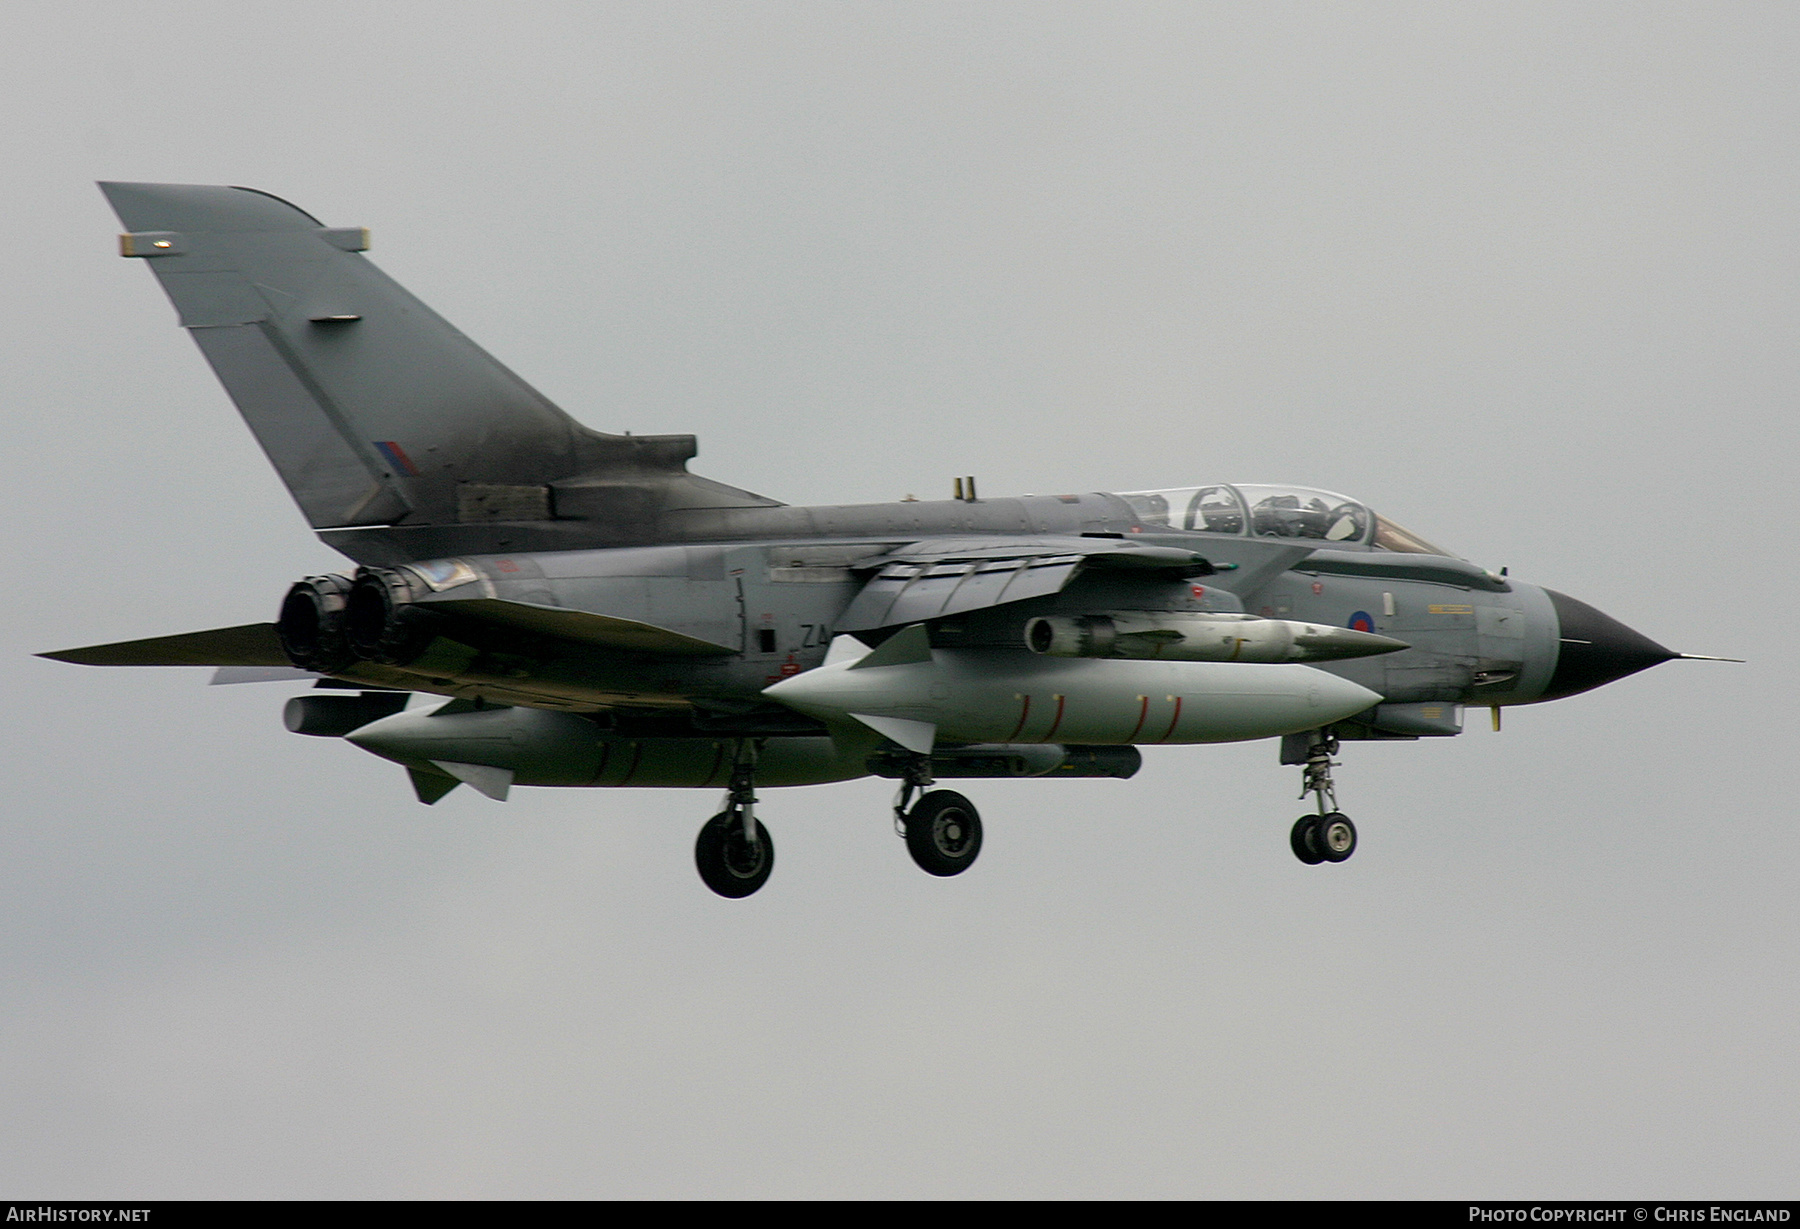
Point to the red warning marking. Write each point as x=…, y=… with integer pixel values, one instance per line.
x=505, y=565
x=1143, y=712
x=1318, y=587
x=1024, y=712
x=1172, y=721
x=1199, y=590
x=1054, y=725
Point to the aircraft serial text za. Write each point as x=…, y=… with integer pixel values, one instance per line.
x=595, y=615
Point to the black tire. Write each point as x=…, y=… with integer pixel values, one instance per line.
x=1304, y=840
x=729, y=864
x=943, y=833
x=1335, y=837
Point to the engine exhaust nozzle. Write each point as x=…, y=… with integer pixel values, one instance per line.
x=380, y=622
x=311, y=625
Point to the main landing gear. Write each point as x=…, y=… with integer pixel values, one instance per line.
x=1328, y=836
x=942, y=829
x=735, y=855
x=734, y=852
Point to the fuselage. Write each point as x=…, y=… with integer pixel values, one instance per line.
x=770, y=586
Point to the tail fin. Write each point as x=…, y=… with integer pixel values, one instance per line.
x=372, y=408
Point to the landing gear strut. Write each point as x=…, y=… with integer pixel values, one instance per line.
x=734, y=852
x=942, y=829
x=1328, y=836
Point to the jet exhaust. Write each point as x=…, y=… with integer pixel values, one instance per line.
x=311, y=626
x=330, y=622
x=380, y=621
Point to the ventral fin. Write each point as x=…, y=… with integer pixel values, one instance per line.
x=916, y=736
x=430, y=786
x=494, y=782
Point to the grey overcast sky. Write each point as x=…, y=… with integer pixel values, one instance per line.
x=1523, y=276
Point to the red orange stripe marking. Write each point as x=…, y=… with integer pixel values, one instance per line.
x=1024, y=712
x=1143, y=712
x=1172, y=720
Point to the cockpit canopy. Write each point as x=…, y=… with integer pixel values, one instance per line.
x=1275, y=512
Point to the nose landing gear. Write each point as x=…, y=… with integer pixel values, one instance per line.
x=1328, y=836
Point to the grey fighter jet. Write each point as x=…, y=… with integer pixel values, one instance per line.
x=589, y=613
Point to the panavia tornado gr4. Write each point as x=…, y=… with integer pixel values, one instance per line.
x=592, y=614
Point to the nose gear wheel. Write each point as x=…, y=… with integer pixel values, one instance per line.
x=1328, y=836
x=1304, y=840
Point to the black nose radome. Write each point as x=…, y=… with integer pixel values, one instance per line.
x=1596, y=649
